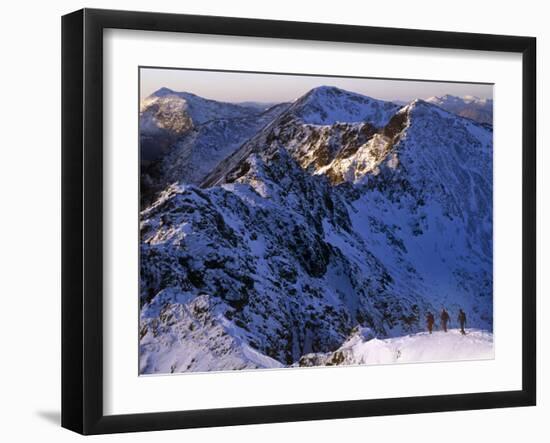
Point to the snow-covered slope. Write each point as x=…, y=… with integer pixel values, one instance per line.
x=201, y=149
x=310, y=230
x=478, y=109
x=362, y=348
x=193, y=333
x=426, y=210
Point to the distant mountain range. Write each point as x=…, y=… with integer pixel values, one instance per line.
x=269, y=237
x=478, y=109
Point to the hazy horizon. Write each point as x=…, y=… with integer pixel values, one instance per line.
x=236, y=87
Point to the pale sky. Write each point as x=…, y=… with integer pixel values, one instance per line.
x=240, y=86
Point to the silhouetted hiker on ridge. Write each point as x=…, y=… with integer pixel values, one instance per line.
x=444, y=319
x=462, y=321
x=430, y=320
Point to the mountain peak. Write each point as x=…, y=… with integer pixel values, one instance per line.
x=164, y=91
x=167, y=92
x=327, y=105
x=330, y=90
x=333, y=92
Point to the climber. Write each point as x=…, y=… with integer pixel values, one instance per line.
x=444, y=319
x=462, y=321
x=430, y=320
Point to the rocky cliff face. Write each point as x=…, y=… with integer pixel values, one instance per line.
x=340, y=212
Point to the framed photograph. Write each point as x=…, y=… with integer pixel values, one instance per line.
x=270, y=221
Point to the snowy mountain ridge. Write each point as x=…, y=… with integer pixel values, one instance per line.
x=184, y=136
x=314, y=227
x=315, y=128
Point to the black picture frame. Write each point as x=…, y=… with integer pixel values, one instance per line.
x=82, y=215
